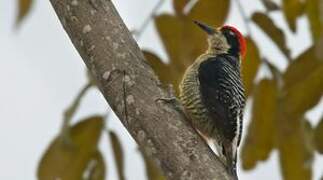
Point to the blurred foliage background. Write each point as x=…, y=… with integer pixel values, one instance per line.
x=279, y=102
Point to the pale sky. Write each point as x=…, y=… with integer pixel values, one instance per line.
x=41, y=73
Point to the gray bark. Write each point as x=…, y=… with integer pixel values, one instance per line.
x=131, y=88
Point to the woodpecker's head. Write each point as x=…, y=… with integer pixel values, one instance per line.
x=226, y=39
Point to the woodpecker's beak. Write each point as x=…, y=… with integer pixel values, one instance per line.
x=209, y=30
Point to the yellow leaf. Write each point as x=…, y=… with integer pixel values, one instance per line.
x=292, y=9
x=183, y=41
x=294, y=153
x=305, y=94
x=179, y=5
x=165, y=72
x=318, y=137
x=300, y=68
x=118, y=154
x=260, y=138
x=153, y=172
x=170, y=29
x=212, y=12
x=68, y=160
x=96, y=167
x=313, y=14
x=270, y=5
x=272, y=31
x=315, y=19
x=250, y=66
x=23, y=9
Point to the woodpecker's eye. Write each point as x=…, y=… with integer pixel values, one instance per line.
x=235, y=40
x=232, y=40
x=231, y=33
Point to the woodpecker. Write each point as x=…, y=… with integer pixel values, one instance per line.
x=212, y=93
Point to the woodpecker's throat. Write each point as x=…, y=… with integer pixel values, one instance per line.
x=226, y=39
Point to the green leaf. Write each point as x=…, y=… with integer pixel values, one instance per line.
x=69, y=160
x=250, y=66
x=296, y=157
x=272, y=31
x=118, y=154
x=292, y=9
x=212, y=12
x=260, y=138
x=318, y=137
x=153, y=172
x=23, y=9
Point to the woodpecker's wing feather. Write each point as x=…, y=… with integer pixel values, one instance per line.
x=222, y=93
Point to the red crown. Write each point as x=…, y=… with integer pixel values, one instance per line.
x=242, y=41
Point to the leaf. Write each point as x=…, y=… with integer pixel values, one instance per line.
x=260, y=138
x=165, y=72
x=212, y=12
x=179, y=5
x=68, y=160
x=300, y=68
x=153, y=172
x=318, y=137
x=172, y=38
x=276, y=73
x=272, y=31
x=292, y=9
x=250, y=66
x=270, y=5
x=183, y=42
x=23, y=9
x=296, y=158
x=305, y=94
x=118, y=154
x=313, y=14
x=96, y=167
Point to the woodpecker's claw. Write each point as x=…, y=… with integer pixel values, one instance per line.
x=168, y=100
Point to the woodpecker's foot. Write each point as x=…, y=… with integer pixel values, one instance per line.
x=171, y=100
x=167, y=100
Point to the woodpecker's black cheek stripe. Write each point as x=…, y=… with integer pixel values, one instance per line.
x=233, y=41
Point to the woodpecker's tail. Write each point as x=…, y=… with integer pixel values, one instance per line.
x=228, y=155
x=232, y=169
x=231, y=161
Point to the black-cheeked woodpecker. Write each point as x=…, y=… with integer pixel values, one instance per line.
x=212, y=92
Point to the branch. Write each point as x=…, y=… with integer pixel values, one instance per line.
x=121, y=72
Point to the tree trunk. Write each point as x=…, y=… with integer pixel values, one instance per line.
x=131, y=88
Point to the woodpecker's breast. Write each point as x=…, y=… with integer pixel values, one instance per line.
x=189, y=91
x=191, y=99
